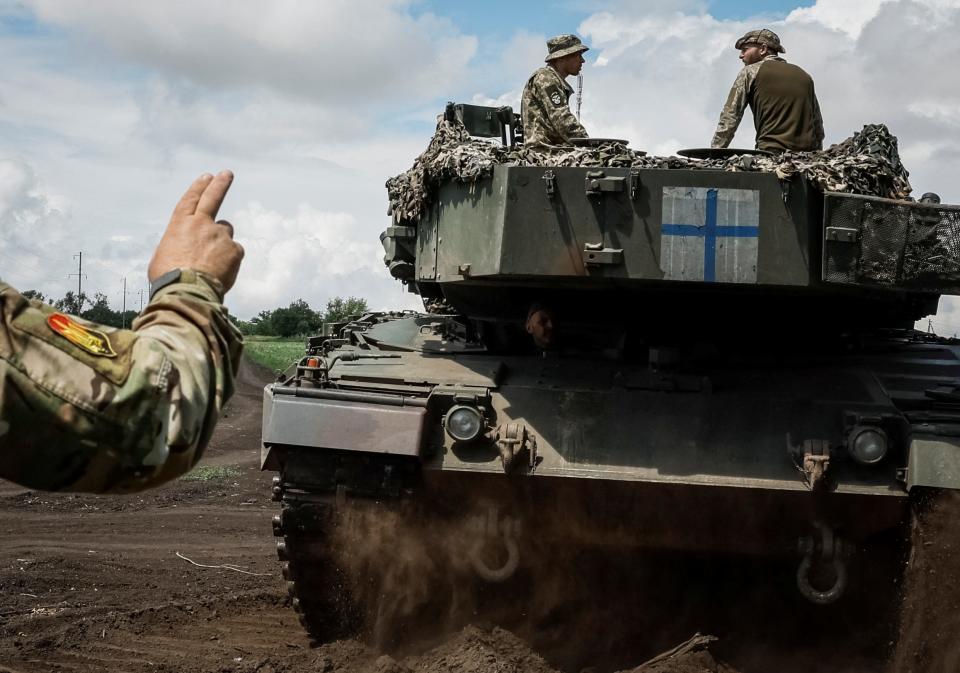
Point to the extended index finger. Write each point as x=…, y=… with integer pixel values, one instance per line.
x=187, y=205
x=214, y=194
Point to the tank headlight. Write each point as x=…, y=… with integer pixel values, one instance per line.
x=868, y=445
x=463, y=423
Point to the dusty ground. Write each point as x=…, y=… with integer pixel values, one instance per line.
x=95, y=584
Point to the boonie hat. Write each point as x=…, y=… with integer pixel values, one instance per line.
x=762, y=37
x=564, y=45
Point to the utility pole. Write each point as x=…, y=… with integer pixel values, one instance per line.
x=79, y=274
x=123, y=312
x=140, y=292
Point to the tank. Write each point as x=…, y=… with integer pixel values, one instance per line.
x=730, y=366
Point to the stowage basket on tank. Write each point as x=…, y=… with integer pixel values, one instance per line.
x=874, y=241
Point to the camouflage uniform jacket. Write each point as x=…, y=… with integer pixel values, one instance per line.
x=742, y=93
x=545, y=110
x=90, y=408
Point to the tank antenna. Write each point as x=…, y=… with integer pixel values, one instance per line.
x=579, y=93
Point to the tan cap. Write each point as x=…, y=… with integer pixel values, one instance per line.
x=762, y=37
x=564, y=45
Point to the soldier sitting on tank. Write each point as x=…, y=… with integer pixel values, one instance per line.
x=545, y=107
x=786, y=113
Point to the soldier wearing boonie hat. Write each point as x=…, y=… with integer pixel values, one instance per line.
x=786, y=112
x=545, y=108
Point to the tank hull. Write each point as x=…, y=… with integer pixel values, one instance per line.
x=699, y=459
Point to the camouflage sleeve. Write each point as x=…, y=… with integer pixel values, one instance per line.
x=85, y=407
x=733, y=109
x=553, y=100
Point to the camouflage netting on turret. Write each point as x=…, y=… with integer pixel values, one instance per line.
x=867, y=163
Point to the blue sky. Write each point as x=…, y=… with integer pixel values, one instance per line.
x=501, y=17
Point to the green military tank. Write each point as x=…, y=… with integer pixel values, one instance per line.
x=731, y=366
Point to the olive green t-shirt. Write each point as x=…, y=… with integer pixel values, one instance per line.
x=785, y=110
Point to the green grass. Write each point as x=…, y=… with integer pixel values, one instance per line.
x=272, y=352
x=213, y=473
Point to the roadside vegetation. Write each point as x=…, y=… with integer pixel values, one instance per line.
x=298, y=319
x=274, y=339
x=274, y=353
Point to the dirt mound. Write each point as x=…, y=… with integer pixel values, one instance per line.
x=930, y=620
x=478, y=650
x=484, y=649
x=692, y=656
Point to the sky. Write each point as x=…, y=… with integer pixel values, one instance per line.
x=108, y=110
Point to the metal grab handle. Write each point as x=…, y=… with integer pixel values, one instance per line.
x=597, y=183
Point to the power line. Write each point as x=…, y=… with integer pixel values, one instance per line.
x=21, y=265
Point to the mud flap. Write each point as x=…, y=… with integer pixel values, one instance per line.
x=934, y=462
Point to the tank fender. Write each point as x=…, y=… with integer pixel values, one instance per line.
x=934, y=462
x=341, y=424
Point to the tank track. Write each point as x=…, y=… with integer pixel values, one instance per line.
x=316, y=585
x=312, y=493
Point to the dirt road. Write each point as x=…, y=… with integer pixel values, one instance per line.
x=185, y=579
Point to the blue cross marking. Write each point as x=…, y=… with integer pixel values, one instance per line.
x=710, y=232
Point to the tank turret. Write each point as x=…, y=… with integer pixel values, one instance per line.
x=599, y=228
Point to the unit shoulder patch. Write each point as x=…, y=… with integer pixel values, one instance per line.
x=92, y=341
x=556, y=96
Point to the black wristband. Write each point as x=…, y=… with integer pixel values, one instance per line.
x=188, y=276
x=169, y=278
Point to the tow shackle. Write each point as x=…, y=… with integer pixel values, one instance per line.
x=828, y=550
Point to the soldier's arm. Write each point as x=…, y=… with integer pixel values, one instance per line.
x=567, y=123
x=733, y=109
x=88, y=408
x=187, y=323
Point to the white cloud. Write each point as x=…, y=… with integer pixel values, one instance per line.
x=840, y=15
x=32, y=233
x=308, y=254
x=314, y=105
x=337, y=51
x=124, y=147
